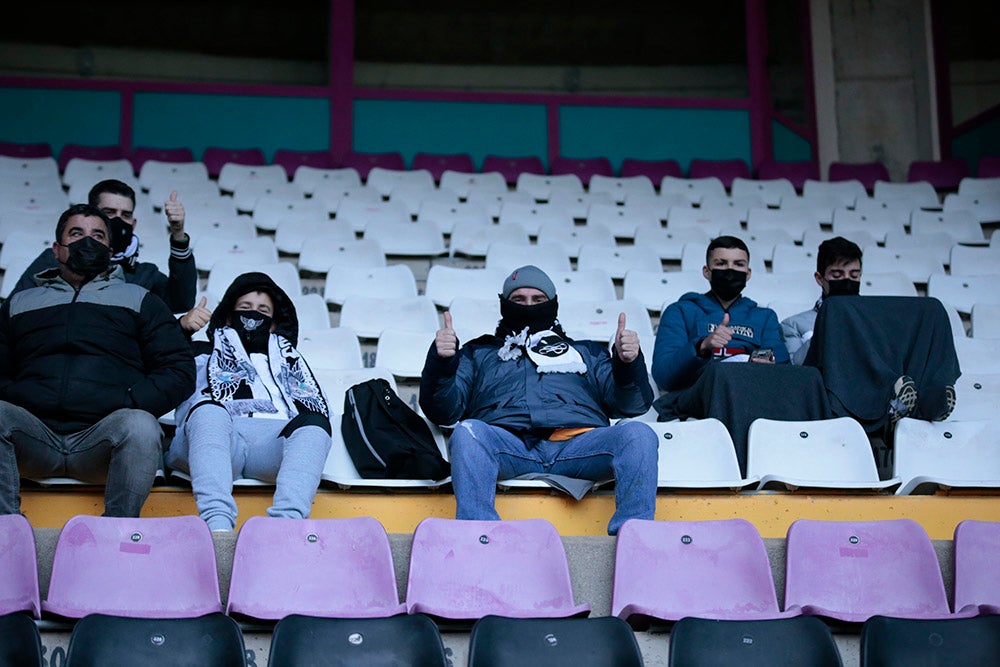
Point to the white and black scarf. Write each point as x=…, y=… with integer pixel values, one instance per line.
x=550, y=351
x=234, y=382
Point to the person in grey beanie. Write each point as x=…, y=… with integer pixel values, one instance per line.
x=529, y=401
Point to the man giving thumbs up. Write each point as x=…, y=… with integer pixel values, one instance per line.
x=527, y=399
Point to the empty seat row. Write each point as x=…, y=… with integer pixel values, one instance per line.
x=464, y=570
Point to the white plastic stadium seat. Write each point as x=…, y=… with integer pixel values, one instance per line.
x=369, y=316
x=950, y=454
x=395, y=281
x=829, y=453
x=697, y=454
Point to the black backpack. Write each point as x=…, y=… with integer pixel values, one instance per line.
x=385, y=438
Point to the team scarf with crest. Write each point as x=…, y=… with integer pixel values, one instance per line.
x=550, y=351
x=234, y=382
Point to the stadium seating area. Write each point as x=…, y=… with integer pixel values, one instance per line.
x=292, y=587
x=377, y=252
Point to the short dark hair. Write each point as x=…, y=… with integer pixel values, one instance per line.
x=80, y=209
x=112, y=187
x=834, y=251
x=726, y=242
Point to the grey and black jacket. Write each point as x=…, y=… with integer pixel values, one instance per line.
x=73, y=357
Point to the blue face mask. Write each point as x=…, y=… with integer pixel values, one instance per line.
x=253, y=328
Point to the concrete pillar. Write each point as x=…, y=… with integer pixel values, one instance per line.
x=882, y=103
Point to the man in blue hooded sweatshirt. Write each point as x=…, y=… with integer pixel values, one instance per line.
x=702, y=330
x=720, y=324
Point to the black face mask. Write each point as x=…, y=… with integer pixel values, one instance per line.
x=843, y=287
x=728, y=283
x=88, y=257
x=538, y=317
x=121, y=235
x=253, y=328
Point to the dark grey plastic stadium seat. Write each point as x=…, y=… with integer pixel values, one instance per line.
x=789, y=642
x=895, y=642
x=606, y=641
x=20, y=643
x=112, y=641
x=356, y=642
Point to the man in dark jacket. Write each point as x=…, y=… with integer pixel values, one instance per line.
x=87, y=362
x=117, y=201
x=530, y=400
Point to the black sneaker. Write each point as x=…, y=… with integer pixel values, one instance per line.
x=949, y=398
x=904, y=398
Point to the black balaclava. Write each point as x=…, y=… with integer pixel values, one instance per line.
x=286, y=322
x=253, y=328
x=516, y=316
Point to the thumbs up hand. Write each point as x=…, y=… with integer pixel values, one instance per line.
x=626, y=342
x=446, y=341
x=174, y=210
x=717, y=339
x=196, y=318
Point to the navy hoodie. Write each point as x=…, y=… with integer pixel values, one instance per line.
x=676, y=364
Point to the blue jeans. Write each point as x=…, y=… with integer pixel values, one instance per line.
x=122, y=451
x=481, y=454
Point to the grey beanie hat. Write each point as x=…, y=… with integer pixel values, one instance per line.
x=528, y=276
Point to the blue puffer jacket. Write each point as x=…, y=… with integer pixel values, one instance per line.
x=676, y=364
x=476, y=384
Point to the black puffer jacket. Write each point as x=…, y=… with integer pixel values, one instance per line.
x=73, y=357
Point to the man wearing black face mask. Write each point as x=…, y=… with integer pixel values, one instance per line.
x=838, y=273
x=719, y=324
x=701, y=331
x=87, y=363
x=534, y=402
x=882, y=358
x=117, y=200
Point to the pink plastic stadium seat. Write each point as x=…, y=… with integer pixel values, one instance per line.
x=796, y=172
x=365, y=162
x=512, y=167
x=25, y=150
x=977, y=578
x=318, y=567
x=866, y=172
x=141, y=156
x=214, y=157
x=141, y=568
x=853, y=570
x=666, y=570
x=724, y=170
x=989, y=167
x=437, y=164
x=292, y=160
x=943, y=175
x=464, y=570
x=582, y=167
x=103, y=153
x=655, y=170
x=19, y=564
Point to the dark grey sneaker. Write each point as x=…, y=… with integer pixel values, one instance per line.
x=904, y=398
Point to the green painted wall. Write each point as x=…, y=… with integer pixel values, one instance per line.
x=168, y=120
x=476, y=128
x=788, y=146
x=60, y=117
x=654, y=134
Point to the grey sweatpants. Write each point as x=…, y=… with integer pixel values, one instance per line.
x=216, y=448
